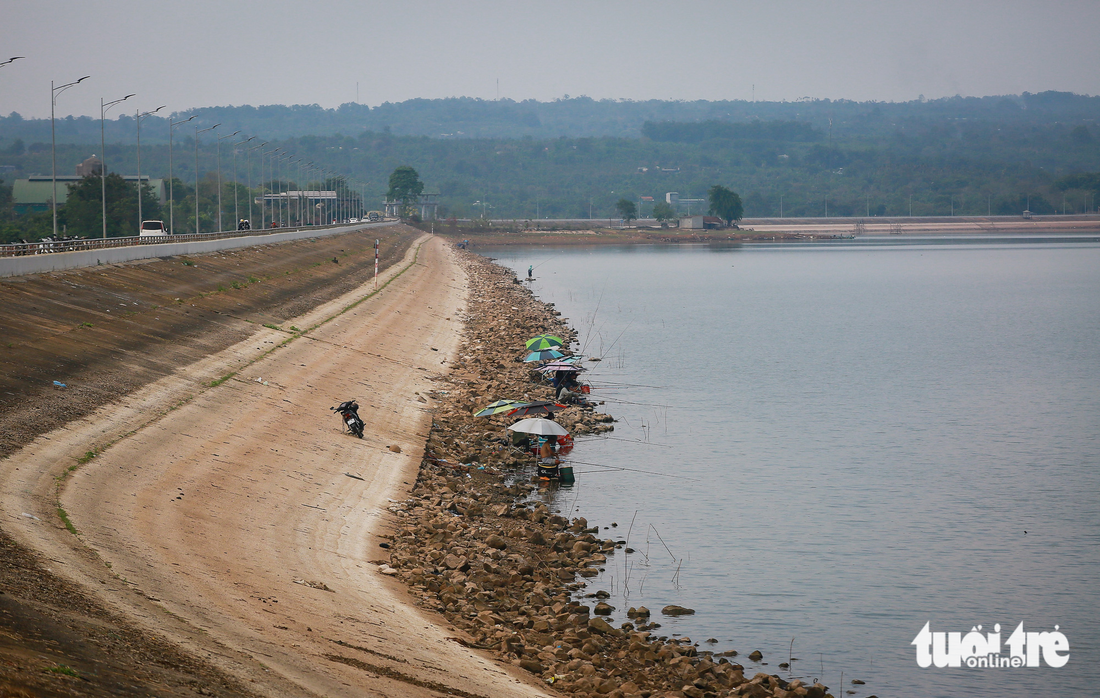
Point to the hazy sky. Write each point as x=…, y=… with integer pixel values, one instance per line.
x=223, y=52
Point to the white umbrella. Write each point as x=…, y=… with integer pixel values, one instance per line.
x=560, y=366
x=542, y=427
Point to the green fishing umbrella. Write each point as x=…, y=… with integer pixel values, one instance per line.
x=499, y=407
x=544, y=341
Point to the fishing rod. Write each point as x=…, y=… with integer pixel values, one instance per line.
x=610, y=468
x=628, y=402
x=592, y=321
x=616, y=341
x=629, y=441
x=536, y=266
x=632, y=385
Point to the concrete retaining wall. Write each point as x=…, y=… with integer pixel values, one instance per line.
x=57, y=261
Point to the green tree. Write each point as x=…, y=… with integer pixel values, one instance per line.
x=405, y=186
x=725, y=204
x=627, y=210
x=663, y=212
x=84, y=207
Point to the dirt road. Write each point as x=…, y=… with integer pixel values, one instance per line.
x=241, y=523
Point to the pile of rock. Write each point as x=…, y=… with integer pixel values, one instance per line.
x=504, y=569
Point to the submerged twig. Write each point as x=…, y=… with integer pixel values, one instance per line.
x=662, y=541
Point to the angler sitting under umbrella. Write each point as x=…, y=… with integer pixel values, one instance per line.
x=548, y=465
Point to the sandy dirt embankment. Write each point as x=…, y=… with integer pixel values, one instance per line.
x=241, y=523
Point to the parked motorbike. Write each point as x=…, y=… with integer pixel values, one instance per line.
x=349, y=413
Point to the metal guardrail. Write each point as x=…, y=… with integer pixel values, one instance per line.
x=22, y=249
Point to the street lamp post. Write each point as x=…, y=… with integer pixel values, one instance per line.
x=197, y=132
x=309, y=206
x=271, y=174
x=290, y=162
x=277, y=176
x=11, y=60
x=236, y=211
x=271, y=181
x=322, y=197
x=137, y=120
x=219, y=150
x=263, y=196
x=248, y=167
x=171, y=175
x=285, y=192
x=54, y=91
x=317, y=210
x=299, y=192
x=103, y=156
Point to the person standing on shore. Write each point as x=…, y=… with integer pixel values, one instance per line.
x=530, y=270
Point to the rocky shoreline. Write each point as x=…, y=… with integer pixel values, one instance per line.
x=502, y=569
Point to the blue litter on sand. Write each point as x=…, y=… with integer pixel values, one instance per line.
x=59, y=384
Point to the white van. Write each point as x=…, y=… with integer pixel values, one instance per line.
x=152, y=229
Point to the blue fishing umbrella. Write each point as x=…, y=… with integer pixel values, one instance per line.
x=543, y=355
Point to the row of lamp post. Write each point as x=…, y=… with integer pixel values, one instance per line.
x=341, y=208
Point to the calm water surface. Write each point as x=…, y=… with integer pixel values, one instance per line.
x=835, y=444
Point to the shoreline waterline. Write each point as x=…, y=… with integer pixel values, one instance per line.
x=476, y=542
x=858, y=423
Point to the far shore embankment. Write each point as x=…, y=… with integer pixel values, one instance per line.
x=557, y=233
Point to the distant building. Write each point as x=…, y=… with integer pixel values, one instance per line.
x=312, y=196
x=91, y=166
x=673, y=199
x=34, y=194
x=425, y=206
x=701, y=223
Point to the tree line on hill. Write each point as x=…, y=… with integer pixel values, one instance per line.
x=577, y=117
x=963, y=156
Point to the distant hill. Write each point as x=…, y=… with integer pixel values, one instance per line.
x=575, y=157
x=577, y=117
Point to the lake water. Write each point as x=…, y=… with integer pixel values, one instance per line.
x=837, y=443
